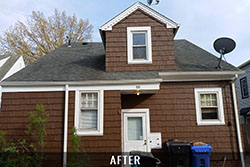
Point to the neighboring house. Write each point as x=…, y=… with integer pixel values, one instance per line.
x=9, y=65
x=243, y=88
x=135, y=90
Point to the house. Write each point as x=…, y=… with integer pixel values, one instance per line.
x=243, y=86
x=8, y=66
x=135, y=90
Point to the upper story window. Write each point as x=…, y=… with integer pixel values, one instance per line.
x=209, y=106
x=244, y=88
x=139, y=45
x=89, y=113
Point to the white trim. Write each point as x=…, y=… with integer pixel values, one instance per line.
x=99, y=131
x=221, y=119
x=201, y=73
x=17, y=66
x=236, y=114
x=33, y=88
x=141, y=110
x=3, y=61
x=138, y=5
x=147, y=31
x=152, y=86
x=65, y=134
x=246, y=63
x=82, y=83
x=198, y=76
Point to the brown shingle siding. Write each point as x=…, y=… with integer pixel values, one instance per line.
x=173, y=113
x=162, y=45
x=14, y=116
x=111, y=140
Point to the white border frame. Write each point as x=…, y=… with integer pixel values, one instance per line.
x=130, y=31
x=147, y=120
x=221, y=120
x=100, y=124
x=138, y=5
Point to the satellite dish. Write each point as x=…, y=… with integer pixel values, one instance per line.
x=223, y=46
x=150, y=2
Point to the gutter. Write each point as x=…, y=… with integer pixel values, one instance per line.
x=182, y=76
x=80, y=83
x=65, y=134
x=236, y=113
x=201, y=73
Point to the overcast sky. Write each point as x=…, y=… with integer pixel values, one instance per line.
x=201, y=21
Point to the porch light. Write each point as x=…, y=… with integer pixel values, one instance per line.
x=138, y=92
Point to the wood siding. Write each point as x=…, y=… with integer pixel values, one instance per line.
x=111, y=140
x=14, y=117
x=162, y=45
x=172, y=112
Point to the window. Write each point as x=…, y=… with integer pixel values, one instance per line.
x=139, y=45
x=244, y=88
x=209, y=106
x=89, y=112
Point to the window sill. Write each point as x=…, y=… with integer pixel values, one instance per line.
x=204, y=123
x=139, y=62
x=89, y=133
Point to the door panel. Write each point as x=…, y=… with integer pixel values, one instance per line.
x=134, y=132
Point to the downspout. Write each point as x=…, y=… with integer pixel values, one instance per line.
x=236, y=113
x=65, y=134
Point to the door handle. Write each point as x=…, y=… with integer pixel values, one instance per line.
x=145, y=142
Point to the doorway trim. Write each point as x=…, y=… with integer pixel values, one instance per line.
x=147, y=123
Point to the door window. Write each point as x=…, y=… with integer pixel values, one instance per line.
x=135, y=131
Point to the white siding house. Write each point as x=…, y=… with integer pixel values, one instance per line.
x=9, y=65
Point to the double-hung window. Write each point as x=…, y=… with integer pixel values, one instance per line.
x=89, y=113
x=209, y=106
x=244, y=88
x=139, y=45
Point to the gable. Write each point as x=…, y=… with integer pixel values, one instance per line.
x=117, y=43
x=168, y=22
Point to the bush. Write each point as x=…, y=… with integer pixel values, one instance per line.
x=20, y=153
x=76, y=158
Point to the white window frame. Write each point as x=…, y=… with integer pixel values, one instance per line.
x=130, y=31
x=221, y=118
x=99, y=131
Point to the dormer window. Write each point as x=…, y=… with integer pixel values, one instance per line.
x=139, y=45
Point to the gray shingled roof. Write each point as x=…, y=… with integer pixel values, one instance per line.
x=190, y=57
x=7, y=65
x=87, y=62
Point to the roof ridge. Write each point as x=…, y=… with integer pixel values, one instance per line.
x=242, y=65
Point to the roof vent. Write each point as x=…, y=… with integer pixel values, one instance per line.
x=85, y=43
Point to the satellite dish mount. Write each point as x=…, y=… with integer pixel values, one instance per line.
x=223, y=46
x=150, y=2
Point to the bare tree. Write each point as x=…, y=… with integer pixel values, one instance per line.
x=40, y=34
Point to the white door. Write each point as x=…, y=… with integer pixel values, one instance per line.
x=135, y=130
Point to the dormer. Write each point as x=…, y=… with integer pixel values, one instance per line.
x=139, y=39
